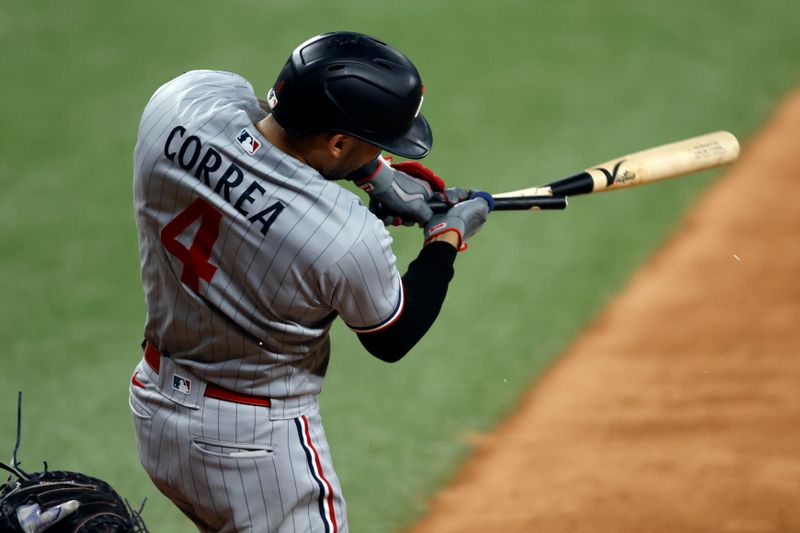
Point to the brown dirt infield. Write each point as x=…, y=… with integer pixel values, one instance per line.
x=679, y=408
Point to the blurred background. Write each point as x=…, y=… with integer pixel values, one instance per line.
x=518, y=93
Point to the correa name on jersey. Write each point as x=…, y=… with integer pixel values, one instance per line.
x=228, y=184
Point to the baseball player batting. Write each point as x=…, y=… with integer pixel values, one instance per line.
x=250, y=250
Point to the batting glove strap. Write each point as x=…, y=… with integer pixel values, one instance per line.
x=403, y=195
x=441, y=229
x=420, y=171
x=465, y=218
x=364, y=176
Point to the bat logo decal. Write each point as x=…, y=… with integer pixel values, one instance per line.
x=611, y=177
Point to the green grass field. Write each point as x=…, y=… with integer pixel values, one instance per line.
x=518, y=93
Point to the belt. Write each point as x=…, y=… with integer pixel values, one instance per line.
x=153, y=358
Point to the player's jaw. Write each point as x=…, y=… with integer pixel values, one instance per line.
x=346, y=154
x=334, y=155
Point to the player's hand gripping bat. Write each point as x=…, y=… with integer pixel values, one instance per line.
x=654, y=164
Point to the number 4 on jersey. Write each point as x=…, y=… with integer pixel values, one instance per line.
x=195, y=258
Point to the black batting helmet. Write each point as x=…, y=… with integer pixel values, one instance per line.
x=355, y=84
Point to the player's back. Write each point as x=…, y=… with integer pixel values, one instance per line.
x=237, y=239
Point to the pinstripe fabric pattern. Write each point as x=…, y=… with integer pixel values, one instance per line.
x=260, y=325
x=247, y=256
x=229, y=468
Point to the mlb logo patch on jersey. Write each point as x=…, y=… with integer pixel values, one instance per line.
x=249, y=143
x=181, y=384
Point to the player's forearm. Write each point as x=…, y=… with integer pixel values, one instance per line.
x=425, y=287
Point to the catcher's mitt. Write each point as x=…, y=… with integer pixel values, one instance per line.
x=59, y=501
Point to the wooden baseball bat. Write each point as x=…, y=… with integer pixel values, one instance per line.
x=513, y=203
x=654, y=164
x=510, y=203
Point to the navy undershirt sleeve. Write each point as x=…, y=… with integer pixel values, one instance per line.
x=425, y=287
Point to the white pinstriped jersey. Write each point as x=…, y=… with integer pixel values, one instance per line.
x=248, y=255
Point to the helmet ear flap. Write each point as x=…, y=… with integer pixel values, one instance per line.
x=352, y=83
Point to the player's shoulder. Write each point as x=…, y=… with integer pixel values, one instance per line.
x=206, y=77
x=205, y=85
x=203, y=93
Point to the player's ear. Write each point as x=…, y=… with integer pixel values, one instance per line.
x=337, y=144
